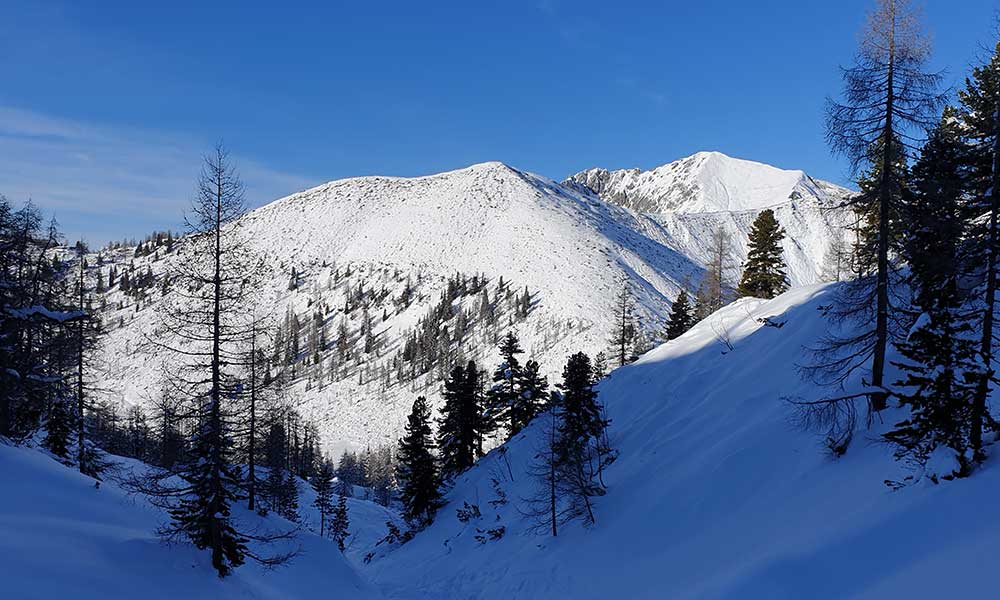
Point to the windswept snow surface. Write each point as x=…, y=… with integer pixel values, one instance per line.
x=62, y=537
x=716, y=494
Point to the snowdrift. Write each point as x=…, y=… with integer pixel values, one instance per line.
x=716, y=494
x=62, y=537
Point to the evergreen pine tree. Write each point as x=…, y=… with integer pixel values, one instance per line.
x=579, y=450
x=460, y=425
x=340, y=523
x=764, y=272
x=681, y=318
x=980, y=102
x=531, y=395
x=416, y=470
x=939, y=354
x=503, y=395
x=59, y=425
x=322, y=484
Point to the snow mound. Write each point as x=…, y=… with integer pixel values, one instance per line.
x=63, y=537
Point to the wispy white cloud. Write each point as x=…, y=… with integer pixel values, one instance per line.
x=103, y=183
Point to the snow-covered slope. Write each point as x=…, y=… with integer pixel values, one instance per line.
x=391, y=236
x=715, y=493
x=63, y=537
x=692, y=197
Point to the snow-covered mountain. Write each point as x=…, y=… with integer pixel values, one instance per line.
x=381, y=250
x=693, y=196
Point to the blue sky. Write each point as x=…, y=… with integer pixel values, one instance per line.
x=105, y=107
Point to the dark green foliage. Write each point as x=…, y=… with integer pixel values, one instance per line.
x=681, y=317
x=580, y=448
x=212, y=484
x=980, y=101
x=503, y=395
x=764, y=272
x=36, y=321
x=532, y=391
x=417, y=469
x=322, y=484
x=340, y=523
x=940, y=353
x=462, y=423
x=60, y=422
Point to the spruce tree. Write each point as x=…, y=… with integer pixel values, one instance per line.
x=579, y=446
x=322, y=484
x=461, y=426
x=532, y=391
x=340, y=523
x=416, y=470
x=980, y=104
x=59, y=425
x=681, y=317
x=940, y=361
x=503, y=395
x=764, y=272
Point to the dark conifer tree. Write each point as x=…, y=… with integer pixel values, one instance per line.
x=532, y=391
x=940, y=352
x=417, y=470
x=503, y=395
x=460, y=426
x=322, y=484
x=764, y=272
x=205, y=317
x=980, y=104
x=581, y=431
x=681, y=317
x=59, y=426
x=340, y=522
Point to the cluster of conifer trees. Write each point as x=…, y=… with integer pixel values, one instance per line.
x=925, y=249
x=474, y=413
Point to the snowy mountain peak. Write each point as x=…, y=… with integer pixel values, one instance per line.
x=704, y=182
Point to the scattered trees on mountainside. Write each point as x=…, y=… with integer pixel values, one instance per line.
x=764, y=273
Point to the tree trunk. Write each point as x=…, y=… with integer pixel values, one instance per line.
x=251, y=449
x=878, y=399
x=80, y=432
x=986, y=348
